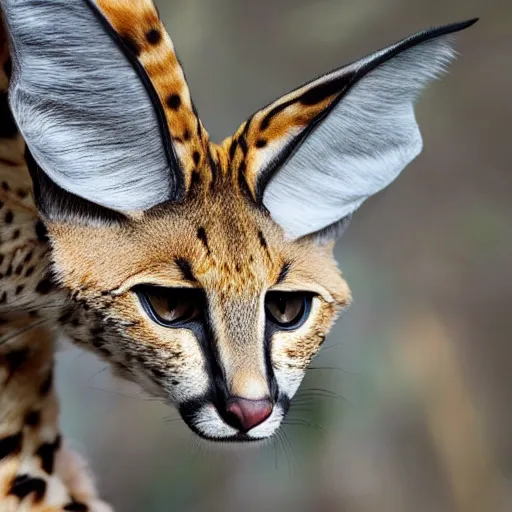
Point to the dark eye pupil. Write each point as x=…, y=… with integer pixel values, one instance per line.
x=281, y=305
x=172, y=303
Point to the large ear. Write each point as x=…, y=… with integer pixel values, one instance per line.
x=315, y=155
x=101, y=100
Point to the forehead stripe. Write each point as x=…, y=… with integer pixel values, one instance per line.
x=201, y=234
x=186, y=269
x=283, y=273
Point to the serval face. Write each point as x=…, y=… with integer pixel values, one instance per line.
x=203, y=272
x=208, y=305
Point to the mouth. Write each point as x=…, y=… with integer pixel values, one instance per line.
x=204, y=419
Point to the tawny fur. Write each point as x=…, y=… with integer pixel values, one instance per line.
x=38, y=280
x=37, y=471
x=77, y=274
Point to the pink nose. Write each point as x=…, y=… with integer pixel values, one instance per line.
x=244, y=414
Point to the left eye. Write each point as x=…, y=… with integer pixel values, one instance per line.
x=288, y=310
x=171, y=307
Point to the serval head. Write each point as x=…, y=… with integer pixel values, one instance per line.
x=205, y=272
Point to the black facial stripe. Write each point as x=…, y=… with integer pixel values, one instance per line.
x=218, y=392
x=10, y=445
x=283, y=273
x=201, y=235
x=217, y=384
x=47, y=384
x=186, y=269
x=189, y=409
x=242, y=181
x=46, y=452
x=264, y=244
x=214, y=169
x=232, y=148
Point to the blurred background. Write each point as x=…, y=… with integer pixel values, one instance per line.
x=409, y=405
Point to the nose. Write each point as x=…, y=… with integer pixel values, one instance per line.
x=244, y=414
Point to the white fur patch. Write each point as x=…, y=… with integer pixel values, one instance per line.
x=83, y=110
x=210, y=424
x=361, y=146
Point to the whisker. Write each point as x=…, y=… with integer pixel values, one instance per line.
x=304, y=423
x=275, y=445
x=291, y=460
x=118, y=393
x=331, y=345
x=320, y=393
x=280, y=445
x=106, y=367
x=19, y=332
x=332, y=368
x=169, y=419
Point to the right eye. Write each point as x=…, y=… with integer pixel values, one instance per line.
x=171, y=307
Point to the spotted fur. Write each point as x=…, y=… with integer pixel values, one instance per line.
x=72, y=264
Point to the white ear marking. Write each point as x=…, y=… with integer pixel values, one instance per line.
x=366, y=139
x=82, y=108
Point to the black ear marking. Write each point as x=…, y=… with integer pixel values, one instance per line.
x=154, y=36
x=131, y=45
x=173, y=101
x=354, y=131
